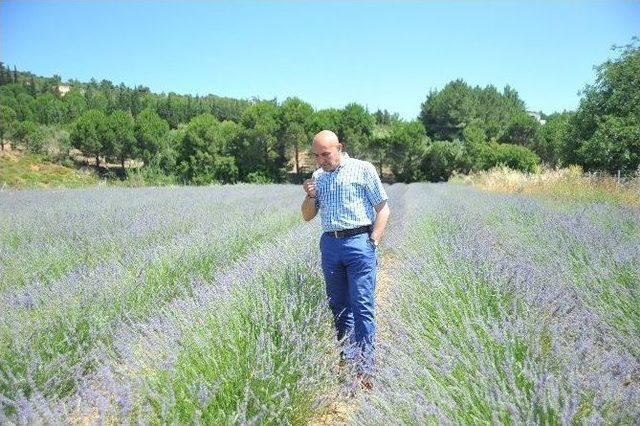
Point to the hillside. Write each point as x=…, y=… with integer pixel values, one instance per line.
x=23, y=170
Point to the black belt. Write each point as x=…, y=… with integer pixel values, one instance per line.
x=349, y=232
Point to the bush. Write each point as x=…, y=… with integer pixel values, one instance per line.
x=513, y=156
x=442, y=159
x=258, y=177
x=148, y=176
x=30, y=136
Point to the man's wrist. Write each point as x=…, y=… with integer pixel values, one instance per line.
x=309, y=196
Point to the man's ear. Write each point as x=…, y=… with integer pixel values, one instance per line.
x=339, y=147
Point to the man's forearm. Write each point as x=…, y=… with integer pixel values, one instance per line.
x=308, y=207
x=382, y=217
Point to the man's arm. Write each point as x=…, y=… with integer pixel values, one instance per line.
x=309, y=210
x=308, y=207
x=382, y=217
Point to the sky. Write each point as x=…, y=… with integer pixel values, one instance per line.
x=383, y=55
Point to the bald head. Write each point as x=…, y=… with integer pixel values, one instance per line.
x=327, y=149
x=325, y=139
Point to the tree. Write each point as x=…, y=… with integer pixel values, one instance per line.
x=7, y=122
x=325, y=119
x=604, y=129
x=29, y=135
x=553, y=137
x=384, y=118
x=296, y=125
x=151, y=134
x=32, y=86
x=92, y=134
x=260, y=150
x=441, y=159
x=75, y=104
x=615, y=145
x=123, y=140
x=409, y=144
x=23, y=107
x=521, y=129
x=355, y=129
x=204, y=153
x=47, y=109
x=3, y=75
x=446, y=113
x=96, y=99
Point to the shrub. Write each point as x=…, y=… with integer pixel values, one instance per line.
x=442, y=159
x=513, y=156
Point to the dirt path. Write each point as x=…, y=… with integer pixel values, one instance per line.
x=339, y=411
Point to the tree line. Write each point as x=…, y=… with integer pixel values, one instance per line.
x=201, y=140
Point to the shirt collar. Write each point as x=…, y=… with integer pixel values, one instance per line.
x=344, y=159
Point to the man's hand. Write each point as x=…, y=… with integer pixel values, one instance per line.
x=309, y=209
x=309, y=187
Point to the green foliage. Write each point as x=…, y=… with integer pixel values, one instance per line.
x=408, y=145
x=296, y=118
x=262, y=140
x=442, y=159
x=7, y=122
x=225, y=108
x=30, y=136
x=384, y=118
x=259, y=149
x=605, y=127
x=204, y=154
x=258, y=177
x=122, y=144
x=151, y=135
x=355, y=129
x=615, y=145
x=23, y=104
x=75, y=104
x=96, y=99
x=92, y=134
x=47, y=109
x=446, y=113
x=553, y=138
x=325, y=119
x=521, y=129
x=515, y=157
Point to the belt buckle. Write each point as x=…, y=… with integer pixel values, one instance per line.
x=335, y=234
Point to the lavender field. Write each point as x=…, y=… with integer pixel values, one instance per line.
x=206, y=305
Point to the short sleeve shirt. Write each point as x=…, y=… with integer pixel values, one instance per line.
x=346, y=196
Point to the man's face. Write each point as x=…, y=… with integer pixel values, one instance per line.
x=327, y=155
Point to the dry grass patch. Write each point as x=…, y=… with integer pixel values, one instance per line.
x=568, y=183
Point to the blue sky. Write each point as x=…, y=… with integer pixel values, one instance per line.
x=379, y=54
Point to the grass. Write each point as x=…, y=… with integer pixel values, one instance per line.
x=568, y=184
x=21, y=170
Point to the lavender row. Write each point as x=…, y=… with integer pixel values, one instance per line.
x=67, y=319
x=509, y=309
x=249, y=345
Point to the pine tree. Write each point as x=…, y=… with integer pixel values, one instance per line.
x=2, y=75
x=15, y=75
x=32, y=86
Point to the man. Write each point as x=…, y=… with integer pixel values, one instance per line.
x=354, y=212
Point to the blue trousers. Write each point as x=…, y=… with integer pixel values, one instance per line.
x=349, y=268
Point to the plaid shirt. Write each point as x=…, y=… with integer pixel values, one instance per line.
x=347, y=195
